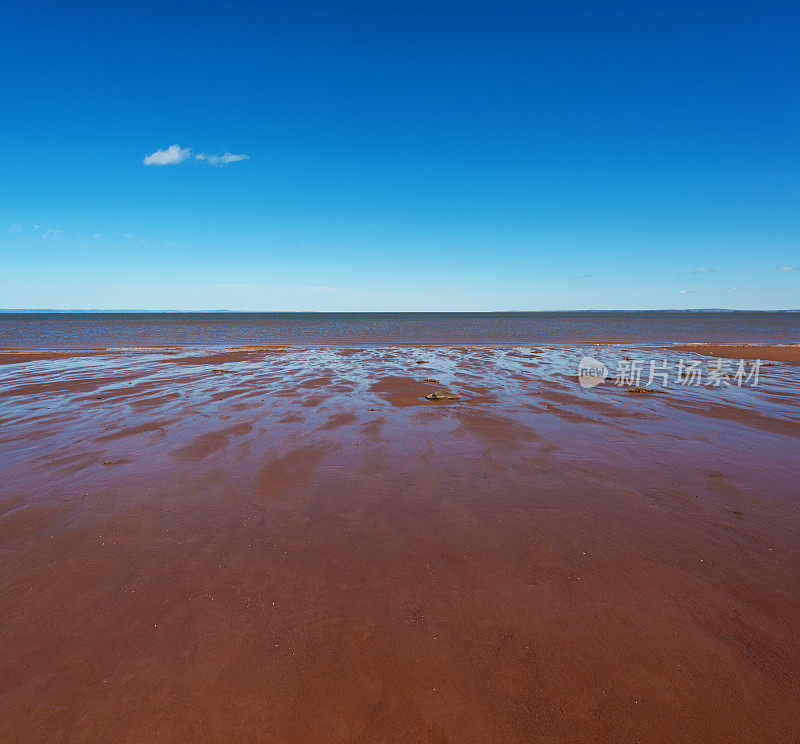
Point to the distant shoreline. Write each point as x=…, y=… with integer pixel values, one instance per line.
x=44, y=311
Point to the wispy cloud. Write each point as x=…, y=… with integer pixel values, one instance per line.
x=682, y=291
x=224, y=159
x=36, y=233
x=175, y=154
x=787, y=268
x=736, y=289
x=276, y=287
x=703, y=271
x=172, y=155
x=43, y=234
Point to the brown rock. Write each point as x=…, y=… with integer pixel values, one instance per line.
x=443, y=395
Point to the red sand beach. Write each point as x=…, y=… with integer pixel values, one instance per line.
x=294, y=545
x=770, y=352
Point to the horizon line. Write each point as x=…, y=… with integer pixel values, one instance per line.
x=371, y=312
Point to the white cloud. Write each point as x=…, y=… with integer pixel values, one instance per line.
x=736, y=289
x=173, y=155
x=787, y=268
x=224, y=159
x=703, y=271
x=682, y=291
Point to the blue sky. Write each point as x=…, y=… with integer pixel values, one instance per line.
x=414, y=156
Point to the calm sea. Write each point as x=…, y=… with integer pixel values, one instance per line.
x=91, y=330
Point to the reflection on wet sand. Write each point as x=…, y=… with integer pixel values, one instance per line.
x=295, y=545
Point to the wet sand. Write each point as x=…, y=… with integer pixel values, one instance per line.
x=772, y=352
x=294, y=545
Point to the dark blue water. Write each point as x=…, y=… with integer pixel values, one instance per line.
x=93, y=330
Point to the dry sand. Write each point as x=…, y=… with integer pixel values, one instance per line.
x=295, y=546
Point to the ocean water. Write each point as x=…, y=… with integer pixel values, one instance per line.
x=102, y=330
